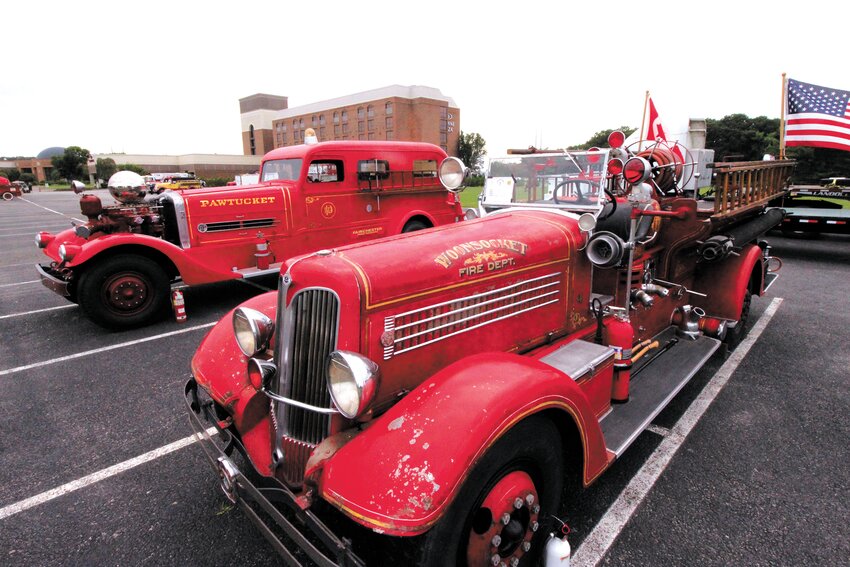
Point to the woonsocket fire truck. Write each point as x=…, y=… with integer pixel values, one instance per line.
x=119, y=264
x=437, y=387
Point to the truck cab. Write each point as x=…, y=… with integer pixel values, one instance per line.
x=120, y=264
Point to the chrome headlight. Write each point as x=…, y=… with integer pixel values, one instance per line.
x=453, y=173
x=353, y=382
x=67, y=252
x=253, y=330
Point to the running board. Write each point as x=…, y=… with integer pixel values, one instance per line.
x=256, y=272
x=653, y=385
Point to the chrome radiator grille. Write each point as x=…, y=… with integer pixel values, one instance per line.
x=315, y=319
x=421, y=327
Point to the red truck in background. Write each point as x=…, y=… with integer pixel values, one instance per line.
x=437, y=387
x=120, y=264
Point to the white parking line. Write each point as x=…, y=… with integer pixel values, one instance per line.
x=102, y=474
x=19, y=283
x=51, y=210
x=104, y=349
x=600, y=540
x=34, y=311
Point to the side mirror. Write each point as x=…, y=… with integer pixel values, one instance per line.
x=77, y=186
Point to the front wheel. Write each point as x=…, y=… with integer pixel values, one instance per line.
x=414, y=225
x=497, y=515
x=124, y=291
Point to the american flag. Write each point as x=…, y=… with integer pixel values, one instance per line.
x=817, y=116
x=656, y=130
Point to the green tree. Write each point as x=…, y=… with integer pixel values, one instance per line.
x=471, y=149
x=105, y=168
x=600, y=139
x=132, y=167
x=70, y=164
x=28, y=178
x=12, y=174
x=737, y=137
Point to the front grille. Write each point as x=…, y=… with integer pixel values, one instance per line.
x=315, y=317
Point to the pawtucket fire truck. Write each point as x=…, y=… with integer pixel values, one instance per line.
x=437, y=387
x=120, y=264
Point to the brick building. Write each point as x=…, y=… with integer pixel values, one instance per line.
x=405, y=113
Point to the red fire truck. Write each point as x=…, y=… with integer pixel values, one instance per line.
x=436, y=387
x=120, y=264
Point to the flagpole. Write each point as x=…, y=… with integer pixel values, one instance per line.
x=782, y=118
x=643, y=121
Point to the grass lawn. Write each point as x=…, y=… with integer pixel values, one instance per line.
x=469, y=196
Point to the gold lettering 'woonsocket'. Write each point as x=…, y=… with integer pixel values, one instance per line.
x=451, y=255
x=237, y=202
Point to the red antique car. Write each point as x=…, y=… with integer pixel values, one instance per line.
x=119, y=265
x=9, y=190
x=437, y=388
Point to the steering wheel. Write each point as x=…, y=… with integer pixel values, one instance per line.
x=574, y=186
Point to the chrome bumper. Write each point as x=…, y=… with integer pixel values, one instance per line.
x=241, y=491
x=52, y=282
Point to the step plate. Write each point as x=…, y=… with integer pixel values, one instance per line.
x=652, y=387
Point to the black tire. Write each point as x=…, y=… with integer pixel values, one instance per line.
x=413, y=225
x=735, y=335
x=532, y=449
x=124, y=291
x=8, y=196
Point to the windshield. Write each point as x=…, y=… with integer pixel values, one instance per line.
x=573, y=180
x=285, y=169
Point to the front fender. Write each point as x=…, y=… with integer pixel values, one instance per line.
x=401, y=473
x=727, y=282
x=191, y=271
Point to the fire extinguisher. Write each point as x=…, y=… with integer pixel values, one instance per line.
x=620, y=335
x=558, y=550
x=262, y=254
x=179, y=306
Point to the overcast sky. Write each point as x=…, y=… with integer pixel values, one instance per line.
x=157, y=77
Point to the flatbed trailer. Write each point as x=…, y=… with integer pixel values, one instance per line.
x=811, y=208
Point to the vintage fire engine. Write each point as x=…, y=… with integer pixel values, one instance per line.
x=436, y=387
x=120, y=263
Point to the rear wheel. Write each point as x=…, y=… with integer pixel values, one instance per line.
x=735, y=335
x=414, y=225
x=497, y=515
x=124, y=291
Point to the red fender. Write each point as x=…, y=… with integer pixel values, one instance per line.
x=727, y=282
x=192, y=271
x=401, y=473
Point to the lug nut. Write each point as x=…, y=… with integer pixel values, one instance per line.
x=495, y=560
x=518, y=503
x=534, y=526
x=514, y=562
x=530, y=499
x=526, y=545
x=536, y=509
x=496, y=541
x=506, y=518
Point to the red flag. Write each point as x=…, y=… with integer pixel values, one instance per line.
x=656, y=131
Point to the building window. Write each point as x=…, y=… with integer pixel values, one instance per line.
x=371, y=135
x=314, y=121
x=390, y=135
x=321, y=120
x=443, y=138
x=444, y=112
x=301, y=123
x=336, y=131
x=371, y=125
x=345, y=129
x=388, y=108
x=360, y=127
x=322, y=134
x=345, y=117
x=251, y=140
x=360, y=113
x=283, y=127
x=389, y=122
x=361, y=137
x=336, y=117
x=370, y=111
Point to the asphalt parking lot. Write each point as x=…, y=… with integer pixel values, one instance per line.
x=98, y=467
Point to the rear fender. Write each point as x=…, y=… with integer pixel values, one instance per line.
x=401, y=473
x=727, y=282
